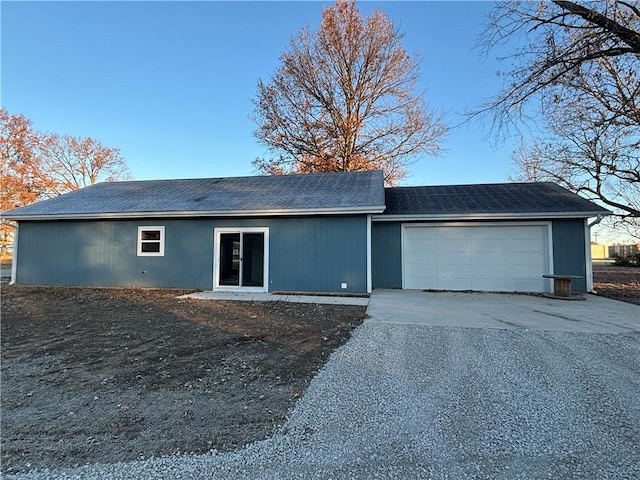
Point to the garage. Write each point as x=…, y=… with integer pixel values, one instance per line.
x=494, y=257
x=483, y=237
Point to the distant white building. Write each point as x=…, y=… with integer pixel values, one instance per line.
x=623, y=250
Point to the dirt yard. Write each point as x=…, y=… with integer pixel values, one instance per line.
x=92, y=375
x=619, y=283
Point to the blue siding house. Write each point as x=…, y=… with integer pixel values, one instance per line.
x=321, y=233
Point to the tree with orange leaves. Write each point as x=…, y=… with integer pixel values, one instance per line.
x=20, y=145
x=35, y=165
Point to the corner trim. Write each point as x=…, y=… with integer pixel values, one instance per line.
x=369, y=268
x=14, y=258
x=587, y=256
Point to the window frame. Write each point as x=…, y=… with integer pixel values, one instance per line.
x=140, y=242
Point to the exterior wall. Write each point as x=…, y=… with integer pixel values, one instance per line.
x=568, y=252
x=317, y=254
x=569, y=256
x=386, y=255
x=314, y=254
x=599, y=252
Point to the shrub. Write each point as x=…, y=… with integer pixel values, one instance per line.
x=632, y=260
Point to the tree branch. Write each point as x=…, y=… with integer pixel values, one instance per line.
x=626, y=35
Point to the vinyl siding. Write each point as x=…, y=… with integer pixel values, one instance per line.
x=568, y=251
x=314, y=254
x=317, y=255
x=104, y=253
x=386, y=255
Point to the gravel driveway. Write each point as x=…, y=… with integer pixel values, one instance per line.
x=421, y=401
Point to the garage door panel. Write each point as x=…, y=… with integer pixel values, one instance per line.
x=527, y=285
x=524, y=232
x=487, y=233
x=453, y=270
x=422, y=271
x=454, y=283
x=426, y=282
x=430, y=257
x=490, y=258
x=524, y=258
x=418, y=245
x=454, y=245
x=419, y=233
x=528, y=271
x=489, y=284
x=486, y=246
x=525, y=245
x=489, y=270
x=450, y=232
x=453, y=258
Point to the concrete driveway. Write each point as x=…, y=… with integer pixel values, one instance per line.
x=487, y=310
x=535, y=389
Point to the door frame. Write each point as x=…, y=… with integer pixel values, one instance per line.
x=216, y=258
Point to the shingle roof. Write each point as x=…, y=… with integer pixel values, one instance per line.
x=360, y=192
x=488, y=199
x=314, y=193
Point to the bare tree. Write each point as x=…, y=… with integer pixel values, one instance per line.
x=528, y=163
x=71, y=163
x=571, y=53
x=580, y=66
x=344, y=100
x=597, y=161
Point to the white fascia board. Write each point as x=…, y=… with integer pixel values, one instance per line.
x=213, y=213
x=587, y=256
x=14, y=256
x=486, y=216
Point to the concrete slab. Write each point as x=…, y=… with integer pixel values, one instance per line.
x=269, y=297
x=488, y=310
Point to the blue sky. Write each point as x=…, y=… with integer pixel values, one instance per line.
x=171, y=83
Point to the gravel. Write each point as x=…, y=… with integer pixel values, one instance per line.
x=411, y=401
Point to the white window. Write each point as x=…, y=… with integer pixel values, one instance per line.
x=150, y=241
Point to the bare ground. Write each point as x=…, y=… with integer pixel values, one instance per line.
x=102, y=375
x=619, y=283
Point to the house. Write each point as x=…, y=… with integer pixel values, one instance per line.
x=620, y=250
x=328, y=232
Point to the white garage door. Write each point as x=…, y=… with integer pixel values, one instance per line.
x=489, y=258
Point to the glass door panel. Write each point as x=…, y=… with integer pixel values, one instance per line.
x=252, y=259
x=229, y=259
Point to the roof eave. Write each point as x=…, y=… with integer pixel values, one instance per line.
x=373, y=209
x=487, y=216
